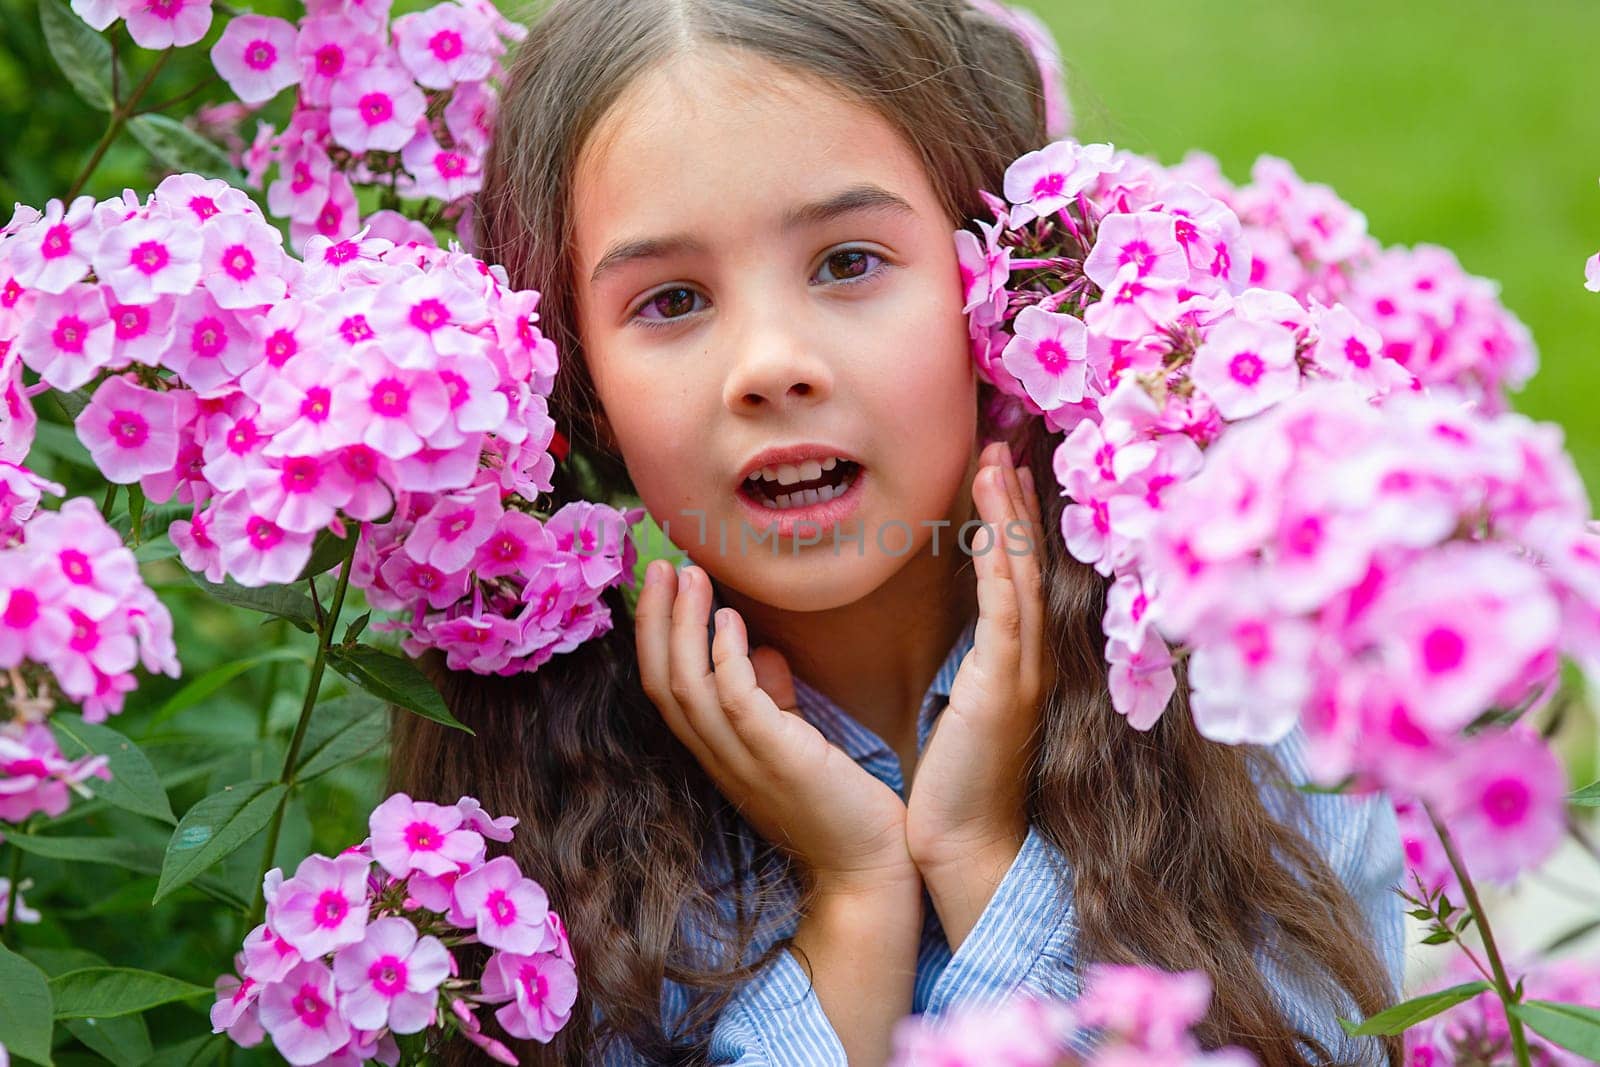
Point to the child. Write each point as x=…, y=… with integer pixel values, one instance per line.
x=740, y=215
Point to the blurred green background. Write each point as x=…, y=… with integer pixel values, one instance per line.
x=1467, y=124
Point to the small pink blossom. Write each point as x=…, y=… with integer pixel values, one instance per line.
x=508, y=909
x=255, y=549
x=69, y=337
x=1246, y=367
x=445, y=45
x=256, y=57
x=377, y=110
x=146, y=257
x=1048, y=355
x=244, y=262
x=542, y=988
x=414, y=835
x=1043, y=182
x=55, y=250
x=301, y=1013
x=130, y=431
x=389, y=978
x=161, y=24
x=323, y=907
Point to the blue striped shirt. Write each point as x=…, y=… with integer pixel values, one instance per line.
x=1024, y=940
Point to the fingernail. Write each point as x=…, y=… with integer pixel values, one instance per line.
x=718, y=620
x=1026, y=474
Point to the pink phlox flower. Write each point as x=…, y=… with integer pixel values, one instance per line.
x=100, y=572
x=99, y=14
x=422, y=320
x=476, y=403
x=445, y=45
x=235, y=1010
x=1141, y=678
x=595, y=535
x=1148, y=240
x=301, y=1012
x=520, y=544
x=69, y=338
x=413, y=581
x=162, y=24
x=130, y=431
x=1246, y=367
x=507, y=909
x=393, y=409
x=1503, y=798
x=1022, y=1031
x=414, y=835
x=470, y=116
x=542, y=989
x=378, y=109
x=305, y=175
x=195, y=199
x=1591, y=273
x=985, y=271
x=211, y=346
x=141, y=333
x=143, y=258
x=372, y=16
x=1048, y=355
x=324, y=906
x=256, y=57
x=309, y=408
x=1044, y=182
x=336, y=217
x=1348, y=348
x=301, y=494
x=1250, y=681
x=55, y=250
x=256, y=550
x=480, y=643
x=446, y=174
x=389, y=978
x=35, y=776
x=449, y=535
x=235, y=444
x=197, y=549
x=475, y=818
x=23, y=913
x=244, y=264
x=331, y=47
x=1151, y=1008
x=1132, y=306
x=1130, y=611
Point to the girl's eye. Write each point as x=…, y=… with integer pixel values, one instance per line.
x=852, y=264
x=668, y=305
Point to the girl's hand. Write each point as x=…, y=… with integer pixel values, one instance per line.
x=736, y=712
x=967, y=815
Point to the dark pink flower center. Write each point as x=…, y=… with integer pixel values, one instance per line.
x=1506, y=802
x=330, y=909
x=203, y=207
x=260, y=55
x=391, y=398
x=22, y=609
x=69, y=334
x=1246, y=368
x=301, y=474
x=75, y=565
x=501, y=908
x=445, y=45
x=57, y=241
x=208, y=338
x=128, y=429
x=316, y=405
x=329, y=60
x=243, y=437
x=310, y=1008
x=450, y=164
x=131, y=321
x=376, y=108
x=429, y=315
x=149, y=256
x=388, y=975
x=239, y=263
x=423, y=837
x=1442, y=650
x=354, y=330
x=263, y=534
x=280, y=346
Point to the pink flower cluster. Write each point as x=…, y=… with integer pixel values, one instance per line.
x=1336, y=544
x=72, y=603
x=1386, y=575
x=1127, y=1016
x=1447, y=327
x=35, y=776
x=1476, y=1030
x=358, y=948
x=407, y=104
x=372, y=382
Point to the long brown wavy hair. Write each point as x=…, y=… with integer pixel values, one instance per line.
x=1175, y=860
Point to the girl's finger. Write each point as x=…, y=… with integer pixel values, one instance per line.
x=652, y=630
x=751, y=712
x=1027, y=572
x=693, y=685
x=999, y=630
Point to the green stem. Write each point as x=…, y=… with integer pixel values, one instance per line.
x=119, y=116
x=1519, y=1039
x=181, y=97
x=8, y=932
x=110, y=500
x=313, y=688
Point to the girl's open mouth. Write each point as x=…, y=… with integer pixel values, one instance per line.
x=814, y=503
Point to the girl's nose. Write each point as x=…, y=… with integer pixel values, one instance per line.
x=776, y=369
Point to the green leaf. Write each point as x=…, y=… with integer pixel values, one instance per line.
x=341, y=730
x=180, y=148
x=328, y=551
x=125, y=1042
x=158, y=547
x=116, y=852
x=155, y=518
x=82, y=54
x=107, y=992
x=1438, y=937
x=1571, y=1026
x=1572, y=936
x=58, y=442
x=25, y=1008
x=1407, y=1014
x=134, y=785
x=1588, y=796
x=279, y=600
x=393, y=679
x=356, y=626
x=214, y=828
x=191, y=1053
x=200, y=688
x=136, y=512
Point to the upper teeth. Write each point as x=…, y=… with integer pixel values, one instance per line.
x=786, y=474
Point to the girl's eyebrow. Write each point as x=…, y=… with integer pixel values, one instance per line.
x=854, y=200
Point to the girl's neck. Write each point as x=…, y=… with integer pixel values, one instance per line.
x=876, y=657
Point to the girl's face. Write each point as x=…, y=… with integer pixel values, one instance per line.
x=762, y=263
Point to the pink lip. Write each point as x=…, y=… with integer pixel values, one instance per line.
x=812, y=520
x=793, y=455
